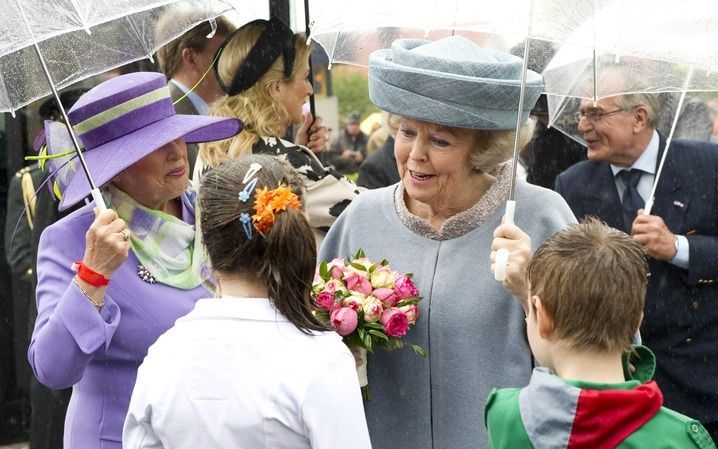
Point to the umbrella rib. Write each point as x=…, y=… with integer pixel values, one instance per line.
x=334, y=50
x=6, y=94
x=139, y=38
x=85, y=25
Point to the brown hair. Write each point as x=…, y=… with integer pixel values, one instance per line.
x=591, y=279
x=283, y=259
x=261, y=113
x=170, y=55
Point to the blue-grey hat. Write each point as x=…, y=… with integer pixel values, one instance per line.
x=451, y=82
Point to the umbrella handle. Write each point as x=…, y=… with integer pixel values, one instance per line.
x=99, y=201
x=502, y=255
x=648, y=207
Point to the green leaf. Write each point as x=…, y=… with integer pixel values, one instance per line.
x=361, y=332
x=392, y=344
x=358, y=266
x=373, y=267
x=384, y=262
x=353, y=341
x=360, y=254
x=367, y=341
x=324, y=270
x=374, y=325
x=378, y=334
x=406, y=302
x=321, y=315
x=419, y=350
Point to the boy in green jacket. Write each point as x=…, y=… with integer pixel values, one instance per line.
x=588, y=284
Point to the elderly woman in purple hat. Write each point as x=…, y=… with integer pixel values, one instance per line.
x=458, y=106
x=110, y=283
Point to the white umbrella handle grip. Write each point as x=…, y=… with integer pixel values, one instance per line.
x=648, y=207
x=99, y=201
x=502, y=255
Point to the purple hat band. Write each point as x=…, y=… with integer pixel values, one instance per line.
x=102, y=121
x=125, y=119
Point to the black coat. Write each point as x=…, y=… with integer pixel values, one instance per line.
x=379, y=169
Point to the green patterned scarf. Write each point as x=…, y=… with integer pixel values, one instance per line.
x=165, y=245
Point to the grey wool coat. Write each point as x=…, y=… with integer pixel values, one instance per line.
x=471, y=327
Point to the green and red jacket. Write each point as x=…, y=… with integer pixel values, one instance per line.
x=553, y=413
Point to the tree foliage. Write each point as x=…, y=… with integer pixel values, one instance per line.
x=351, y=88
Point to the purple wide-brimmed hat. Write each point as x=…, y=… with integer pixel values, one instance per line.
x=126, y=118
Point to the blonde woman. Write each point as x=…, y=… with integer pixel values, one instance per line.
x=263, y=68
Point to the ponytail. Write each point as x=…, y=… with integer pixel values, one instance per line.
x=289, y=268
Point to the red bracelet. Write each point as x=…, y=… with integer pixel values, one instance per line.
x=89, y=275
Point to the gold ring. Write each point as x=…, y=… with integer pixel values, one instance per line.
x=125, y=235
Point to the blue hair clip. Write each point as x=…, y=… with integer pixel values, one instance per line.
x=246, y=192
x=246, y=221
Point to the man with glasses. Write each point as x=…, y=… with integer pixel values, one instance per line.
x=680, y=237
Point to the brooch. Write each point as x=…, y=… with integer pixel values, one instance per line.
x=145, y=275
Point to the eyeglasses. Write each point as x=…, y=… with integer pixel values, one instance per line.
x=594, y=115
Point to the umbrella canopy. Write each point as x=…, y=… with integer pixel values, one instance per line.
x=82, y=38
x=45, y=46
x=666, y=46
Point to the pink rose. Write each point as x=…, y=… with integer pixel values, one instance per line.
x=386, y=295
x=344, y=320
x=335, y=286
x=412, y=313
x=372, y=308
x=354, y=301
x=358, y=283
x=325, y=300
x=336, y=273
x=404, y=288
x=395, y=322
x=335, y=268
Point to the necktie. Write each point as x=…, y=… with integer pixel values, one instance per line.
x=631, y=199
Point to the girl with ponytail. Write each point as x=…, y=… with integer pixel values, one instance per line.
x=252, y=368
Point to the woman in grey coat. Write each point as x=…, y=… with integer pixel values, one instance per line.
x=458, y=104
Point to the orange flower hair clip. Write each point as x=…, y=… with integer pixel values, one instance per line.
x=268, y=203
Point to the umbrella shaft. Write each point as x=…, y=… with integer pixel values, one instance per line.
x=519, y=124
x=65, y=117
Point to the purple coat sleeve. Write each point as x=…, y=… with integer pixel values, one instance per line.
x=68, y=331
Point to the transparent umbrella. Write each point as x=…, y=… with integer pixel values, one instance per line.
x=658, y=46
x=349, y=31
x=45, y=46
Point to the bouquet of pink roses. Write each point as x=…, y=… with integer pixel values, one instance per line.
x=368, y=304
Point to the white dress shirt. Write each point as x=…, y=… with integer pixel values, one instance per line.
x=234, y=373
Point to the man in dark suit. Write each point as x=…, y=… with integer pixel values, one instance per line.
x=680, y=236
x=184, y=61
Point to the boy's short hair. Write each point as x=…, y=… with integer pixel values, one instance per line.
x=592, y=280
